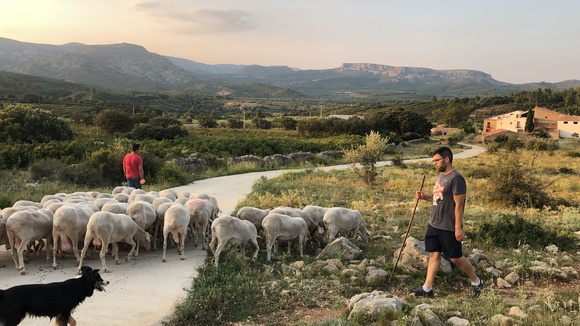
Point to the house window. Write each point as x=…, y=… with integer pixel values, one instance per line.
x=575, y=122
x=519, y=125
x=565, y=122
x=489, y=124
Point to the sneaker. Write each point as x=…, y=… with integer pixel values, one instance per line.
x=476, y=289
x=419, y=292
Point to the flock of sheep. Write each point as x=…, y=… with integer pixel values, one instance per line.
x=135, y=217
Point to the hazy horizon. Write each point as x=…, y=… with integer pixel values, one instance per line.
x=514, y=41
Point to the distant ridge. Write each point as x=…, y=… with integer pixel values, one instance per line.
x=127, y=67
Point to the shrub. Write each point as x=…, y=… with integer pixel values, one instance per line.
x=111, y=121
x=21, y=123
x=222, y=295
x=172, y=174
x=84, y=174
x=45, y=169
x=511, y=232
x=512, y=185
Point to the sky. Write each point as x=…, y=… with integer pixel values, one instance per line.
x=515, y=41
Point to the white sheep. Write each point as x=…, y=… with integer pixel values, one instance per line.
x=23, y=228
x=216, y=207
x=200, y=212
x=316, y=213
x=115, y=207
x=253, y=214
x=175, y=222
x=284, y=228
x=69, y=225
x=227, y=228
x=104, y=228
x=144, y=214
x=160, y=211
x=340, y=219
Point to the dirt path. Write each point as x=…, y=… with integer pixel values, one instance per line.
x=145, y=291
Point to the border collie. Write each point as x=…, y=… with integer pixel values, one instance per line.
x=54, y=300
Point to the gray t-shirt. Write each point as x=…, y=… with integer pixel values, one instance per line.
x=443, y=209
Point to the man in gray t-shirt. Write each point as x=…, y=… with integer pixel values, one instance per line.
x=445, y=228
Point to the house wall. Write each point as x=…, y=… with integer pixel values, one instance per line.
x=513, y=121
x=568, y=125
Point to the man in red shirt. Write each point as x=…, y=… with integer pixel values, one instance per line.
x=133, y=168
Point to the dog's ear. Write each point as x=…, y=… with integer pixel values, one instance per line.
x=85, y=270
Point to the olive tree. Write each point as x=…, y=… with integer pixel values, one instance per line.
x=363, y=159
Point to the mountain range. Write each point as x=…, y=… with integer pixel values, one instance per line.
x=129, y=67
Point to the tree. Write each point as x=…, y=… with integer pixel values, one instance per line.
x=529, y=121
x=22, y=123
x=539, y=145
x=112, y=121
x=367, y=156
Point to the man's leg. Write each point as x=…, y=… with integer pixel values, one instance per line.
x=432, y=269
x=465, y=265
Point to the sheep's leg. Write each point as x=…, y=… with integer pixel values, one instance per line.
x=213, y=243
x=88, y=238
x=48, y=247
x=301, y=242
x=74, y=238
x=102, y=255
x=255, y=243
x=165, y=234
x=55, y=238
x=20, y=253
x=115, y=251
x=156, y=226
x=182, y=243
x=269, y=243
x=220, y=247
x=289, y=247
x=132, y=243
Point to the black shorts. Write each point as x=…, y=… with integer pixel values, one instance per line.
x=437, y=240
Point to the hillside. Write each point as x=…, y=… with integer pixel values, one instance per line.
x=129, y=67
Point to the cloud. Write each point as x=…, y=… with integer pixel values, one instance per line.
x=146, y=5
x=211, y=21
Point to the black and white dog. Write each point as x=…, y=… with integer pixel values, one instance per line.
x=53, y=300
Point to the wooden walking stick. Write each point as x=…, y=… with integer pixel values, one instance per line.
x=407, y=233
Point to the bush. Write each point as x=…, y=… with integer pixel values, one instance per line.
x=223, y=295
x=512, y=185
x=84, y=174
x=21, y=123
x=172, y=174
x=45, y=169
x=511, y=232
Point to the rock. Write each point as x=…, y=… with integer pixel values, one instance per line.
x=331, y=269
x=476, y=257
x=431, y=318
x=415, y=258
x=349, y=272
x=456, y=321
x=287, y=270
x=570, y=271
x=340, y=248
x=493, y=271
x=566, y=261
x=375, y=274
x=503, y=284
x=335, y=262
x=512, y=278
x=297, y=264
x=502, y=320
x=374, y=304
x=553, y=249
x=517, y=311
x=565, y=320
